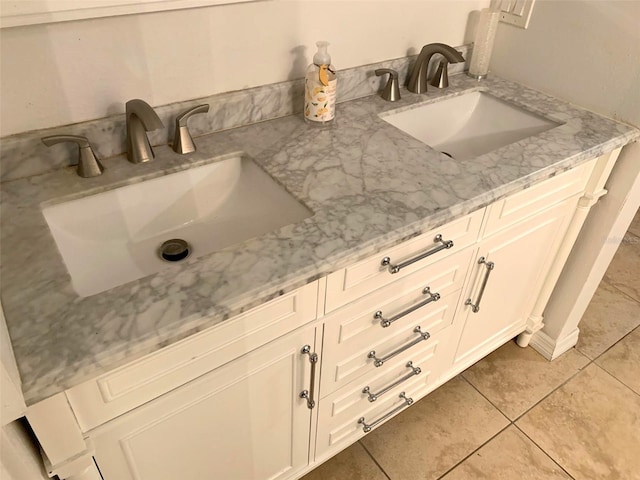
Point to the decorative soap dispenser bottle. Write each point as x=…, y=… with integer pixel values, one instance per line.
x=320, y=88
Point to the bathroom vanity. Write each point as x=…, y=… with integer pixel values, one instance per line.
x=266, y=358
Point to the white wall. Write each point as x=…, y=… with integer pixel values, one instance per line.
x=70, y=72
x=587, y=52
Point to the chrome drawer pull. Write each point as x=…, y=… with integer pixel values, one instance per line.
x=374, y=396
x=385, y=322
x=366, y=427
x=378, y=362
x=490, y=265
x=386, y=261
x=310, y=394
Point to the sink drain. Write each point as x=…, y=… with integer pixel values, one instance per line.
x=174, y=250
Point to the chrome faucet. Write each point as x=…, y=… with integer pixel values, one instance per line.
x=141, y=118
x=418, y=77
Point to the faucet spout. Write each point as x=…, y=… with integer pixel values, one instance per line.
x=141, y=118
x=418, y=77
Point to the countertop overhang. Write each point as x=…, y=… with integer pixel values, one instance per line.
x=369, y=185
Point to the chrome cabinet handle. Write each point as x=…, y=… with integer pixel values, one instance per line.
x=475, y=308
x=310, y=394
x=374, y=396
x=385, y=322
x=366, y=427
x=182, y=140
x=386, y=261
x=378, y=362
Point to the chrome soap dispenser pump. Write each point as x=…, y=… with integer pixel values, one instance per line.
x=320, y=88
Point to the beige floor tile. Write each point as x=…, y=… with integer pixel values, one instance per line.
x=514, y=379
x=351, y=464
x=609, y=317
x=434, y=434
x=590, y=426
x=635, y=225
x=623, y=361
x=624, y=271
x=509, y=456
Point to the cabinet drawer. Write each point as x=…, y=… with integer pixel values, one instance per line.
x=367, y=275
x=530, y=201
x=351, y=333
x=339, y=412
x=99, y=400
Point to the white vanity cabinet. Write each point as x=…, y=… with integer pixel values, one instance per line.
x=506, y=278
x=245, y=420
x=232, y=402
x=520, y=241
x=226, y=403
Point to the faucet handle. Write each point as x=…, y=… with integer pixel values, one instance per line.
x=391, y=90
x=88, y=164
x=182, y=140
x=441, y=77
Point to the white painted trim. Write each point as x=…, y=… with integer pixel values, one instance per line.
x=56, y=428
x=597, y=243
x=550, y=348
x=16, y=13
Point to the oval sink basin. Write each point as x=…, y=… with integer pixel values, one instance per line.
x=469, y=125
x=114, y=237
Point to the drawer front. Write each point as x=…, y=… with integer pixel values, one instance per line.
x=533, y=200
x=339, y=412
x=99, y=400
x=367, y=275
x=354, y=331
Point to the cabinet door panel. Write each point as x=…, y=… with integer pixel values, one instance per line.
x=522, y=256
x=242, y=421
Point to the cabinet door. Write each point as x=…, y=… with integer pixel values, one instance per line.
x=520, y=257
x=242, y=421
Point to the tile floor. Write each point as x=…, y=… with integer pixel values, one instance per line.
x=577, y=417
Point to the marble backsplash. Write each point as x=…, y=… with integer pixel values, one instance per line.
x=23, y=155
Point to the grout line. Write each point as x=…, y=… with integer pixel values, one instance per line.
x=485, y=397
x=590, y=361
x=374, y=460
x=612, y=285
x=616, y=343
x=544, y=451
x=478, y=448
x=554, y=390
x=616, y=379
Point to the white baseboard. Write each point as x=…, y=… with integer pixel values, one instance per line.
x=550, y=348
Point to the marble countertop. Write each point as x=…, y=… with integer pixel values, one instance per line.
x=369, y=185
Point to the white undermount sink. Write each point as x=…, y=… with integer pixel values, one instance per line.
x=114, y=237
x=469, y=125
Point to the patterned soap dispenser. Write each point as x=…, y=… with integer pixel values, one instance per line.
x=320, y=88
